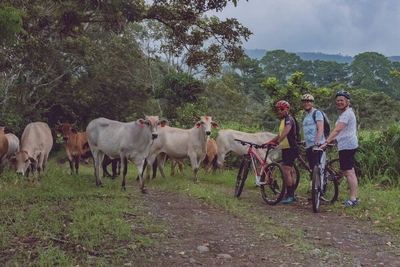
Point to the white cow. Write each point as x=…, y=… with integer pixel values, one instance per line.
x=13, y=147
x=36, y=143
x=127, y=141
x=226, y=144
x=179, y=144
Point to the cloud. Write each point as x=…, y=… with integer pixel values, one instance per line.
x=346, y=27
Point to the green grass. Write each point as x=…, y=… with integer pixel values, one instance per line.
x=65, y=220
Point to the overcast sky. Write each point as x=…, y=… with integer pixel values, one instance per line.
x=347, y=27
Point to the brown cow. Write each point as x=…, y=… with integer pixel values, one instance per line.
x=73, y=143
x=3, y=147
x=210, y=160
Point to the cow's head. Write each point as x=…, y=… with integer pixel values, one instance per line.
x=206, y=123
x=66, y=130
x=152, y=122
x=22, y=161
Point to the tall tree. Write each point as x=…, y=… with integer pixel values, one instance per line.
x=281, y=64
x=371, y=70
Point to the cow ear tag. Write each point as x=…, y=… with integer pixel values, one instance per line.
x=141, y=124
x=197, y=125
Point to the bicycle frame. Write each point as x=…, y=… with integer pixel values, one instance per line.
x=253, y=156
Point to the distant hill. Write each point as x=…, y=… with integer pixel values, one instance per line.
x=259, y=53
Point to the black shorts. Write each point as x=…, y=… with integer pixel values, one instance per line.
x=346, y=159
x=288, y=156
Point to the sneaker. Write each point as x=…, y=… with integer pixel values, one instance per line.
x=294, y=197
x=288, y=200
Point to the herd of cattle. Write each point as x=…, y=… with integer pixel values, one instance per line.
x=146, y=142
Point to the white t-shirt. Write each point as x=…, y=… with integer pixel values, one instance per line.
x=347, y=138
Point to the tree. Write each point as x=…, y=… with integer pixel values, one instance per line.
x=11, y=21
x=280, y=64
x=251, y=77
x=326, y=72
x=371, y=70
x=199, y=40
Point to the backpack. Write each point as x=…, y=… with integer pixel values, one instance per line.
x=327, y=126
x=297, y=130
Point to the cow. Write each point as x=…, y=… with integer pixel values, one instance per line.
x=13, y=147
x=74, y=145
x=179, y=144
x=226, y=144
x=127, y=141
x=3, y=147
x=36, y=143
x=209, y=161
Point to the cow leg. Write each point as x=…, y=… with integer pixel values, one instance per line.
x=161, y=158
x=154, y=166
x=195, y=162
x=98, y=157
x=140, y=168
x=118, y=163
x=173, y=164
x=77, y=159
x=114, y=163
x=124, y=162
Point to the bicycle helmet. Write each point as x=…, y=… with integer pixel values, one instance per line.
x=307, y=97
x=343, y=93
x=282, y=104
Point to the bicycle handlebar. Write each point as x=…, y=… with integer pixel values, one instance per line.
x=251, y=144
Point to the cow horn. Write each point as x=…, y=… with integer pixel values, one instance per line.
x=59, y=122
x=74, y=122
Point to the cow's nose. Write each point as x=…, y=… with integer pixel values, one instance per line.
x=65, y=138
x=154, y=135
x=20, y=173
x=208, y=132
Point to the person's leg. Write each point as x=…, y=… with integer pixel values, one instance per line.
x=346, y=158
x=353, y=183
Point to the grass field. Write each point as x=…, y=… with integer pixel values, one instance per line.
x=56, y=221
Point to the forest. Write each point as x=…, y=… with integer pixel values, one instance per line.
x=74, y=61
x=79, y=60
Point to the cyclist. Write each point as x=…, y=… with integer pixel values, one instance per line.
x=287, y=140
x=345, y=133
x=313, y=129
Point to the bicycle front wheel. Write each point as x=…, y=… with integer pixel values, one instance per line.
x=275, y=184
x=242, y=175
x=316, y=188
x=330, y=189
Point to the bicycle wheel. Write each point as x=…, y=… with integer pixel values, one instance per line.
x=242, y=175
x=315, y=188
x=275, y=187
x=296, y=175
x=330, y=189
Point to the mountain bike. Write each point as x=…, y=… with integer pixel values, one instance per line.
x=332, y=165
x=324, y=185
x=269, y=177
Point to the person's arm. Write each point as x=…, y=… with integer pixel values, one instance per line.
x=320, y=131
x=339, y=127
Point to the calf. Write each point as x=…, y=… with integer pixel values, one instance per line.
x=73, y=143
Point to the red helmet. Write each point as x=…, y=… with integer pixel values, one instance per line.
x=282, y=104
